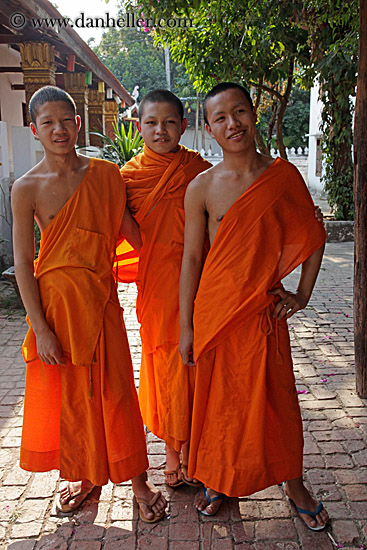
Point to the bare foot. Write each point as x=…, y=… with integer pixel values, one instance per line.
x=297, y=492
x=173, y=475
x=185, y=461
x=73, y=493
x=145, y=492
x=208, y=501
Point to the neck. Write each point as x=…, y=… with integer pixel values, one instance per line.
x=62, y=164
x=247, y=161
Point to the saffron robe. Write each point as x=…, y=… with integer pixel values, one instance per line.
x=155, y=186
x=98, y=437
x=246, y=424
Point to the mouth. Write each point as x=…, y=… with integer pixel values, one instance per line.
x=161, y=140
x=61, y=140
x=237, y=134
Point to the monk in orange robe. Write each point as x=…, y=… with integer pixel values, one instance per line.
x=81, y=411
x=156, y=182
x=246, y=425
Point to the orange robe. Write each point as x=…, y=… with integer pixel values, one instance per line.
x=155, y=186
x=246, y=425
x=83, y=417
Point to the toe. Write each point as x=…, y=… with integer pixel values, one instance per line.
x=147, y=512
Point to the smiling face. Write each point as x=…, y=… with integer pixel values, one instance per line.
x=231, y=120
x=161, y=127
x=56, y=127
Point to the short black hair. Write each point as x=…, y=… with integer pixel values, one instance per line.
x=222, y=87
x=48, y=94
x=161, y=96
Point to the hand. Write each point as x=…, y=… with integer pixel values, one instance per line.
x=318, y=214
x=49, y=348
x=186, y=347
x=289, y=304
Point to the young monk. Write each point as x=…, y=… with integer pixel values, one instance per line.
x=81, y=412
x=246, y=426
x=156, y=181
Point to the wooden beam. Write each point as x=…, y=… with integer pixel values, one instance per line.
x=10, y=69
x=17, y=87
x=360, y=210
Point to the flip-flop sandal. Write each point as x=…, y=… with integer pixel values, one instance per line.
x=177, y=473
x=209, y=499
x=150, y=504
x=65, y=508
x=190, y=482
x=313, y=514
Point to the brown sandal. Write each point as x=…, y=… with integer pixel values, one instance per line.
x=177, y=473
x=150, y=504
x=65, y=508
x=185, y=478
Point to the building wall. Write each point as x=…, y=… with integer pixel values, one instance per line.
x=11, y=110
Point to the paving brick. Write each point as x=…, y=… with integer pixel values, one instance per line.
x=243, y=531
x=358, y=510
x=345, y=531
x=339, y=461
x=356, y=492
x=275, y=529
x=183, y=531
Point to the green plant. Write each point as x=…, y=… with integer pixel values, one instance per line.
x=124, y=147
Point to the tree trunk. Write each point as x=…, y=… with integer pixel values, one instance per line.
x=281, y=112
x=360, y=206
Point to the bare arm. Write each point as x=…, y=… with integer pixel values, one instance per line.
x=129, y=229
x=48, y=347
x=292, y=302
x=195, y=226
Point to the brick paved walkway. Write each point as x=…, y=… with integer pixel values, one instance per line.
x=335, y=422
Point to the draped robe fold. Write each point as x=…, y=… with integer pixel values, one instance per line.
x=246, y=425
x=83, y=417
x=155, y=186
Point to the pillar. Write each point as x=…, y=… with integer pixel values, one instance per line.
x=111, y=114
x=75, y=85
x=38, y=65
x=96, y=110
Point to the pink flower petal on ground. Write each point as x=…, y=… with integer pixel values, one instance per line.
x=302, y=391
x=357, y=425
x=323, y=380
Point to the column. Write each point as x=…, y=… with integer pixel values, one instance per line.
x=38, y=65
x=75, y=85
x=96, y=110
x=111, y=114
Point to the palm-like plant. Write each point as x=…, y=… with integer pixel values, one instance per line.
x=124, y=146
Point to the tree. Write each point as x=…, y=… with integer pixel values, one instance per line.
x=360, y=204
x=262, y=44
x=130, y=55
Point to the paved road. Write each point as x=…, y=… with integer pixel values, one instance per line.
x=335, y=423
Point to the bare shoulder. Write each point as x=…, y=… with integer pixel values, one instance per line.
x=203, y=180
x=26, y=187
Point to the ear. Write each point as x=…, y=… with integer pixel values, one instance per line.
x=78, y=121
x=33, y=129
x=138, y=125
x=183, y=125
x=209, y=130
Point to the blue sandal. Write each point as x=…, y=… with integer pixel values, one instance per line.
x=209, y=499
x=311, y=514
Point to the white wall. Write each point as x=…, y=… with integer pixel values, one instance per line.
x=314, y=142
x=10, y=100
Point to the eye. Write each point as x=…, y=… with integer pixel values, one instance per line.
x=219, y=119
x=46, y=122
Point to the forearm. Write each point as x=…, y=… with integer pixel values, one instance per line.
x=189, y=281
x=310, y=270
x=130, y=231
x=29, y=292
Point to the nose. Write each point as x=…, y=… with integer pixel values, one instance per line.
x=59, y=126
x=160, y=128
x=232, y=121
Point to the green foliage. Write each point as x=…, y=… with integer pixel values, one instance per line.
x=333, y=27
x=131, y=56
x=124, y=147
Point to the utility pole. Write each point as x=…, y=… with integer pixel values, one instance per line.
x=167, y=65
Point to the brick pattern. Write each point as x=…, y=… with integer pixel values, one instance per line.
x=335, y=429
